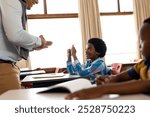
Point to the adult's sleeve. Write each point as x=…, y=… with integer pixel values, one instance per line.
x=11, y=11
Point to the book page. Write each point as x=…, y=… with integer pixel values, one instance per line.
x=69, y=86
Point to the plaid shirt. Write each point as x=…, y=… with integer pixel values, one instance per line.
x=88, y=69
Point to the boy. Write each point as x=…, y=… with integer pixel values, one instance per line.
x=95, y=51
x=140, y=71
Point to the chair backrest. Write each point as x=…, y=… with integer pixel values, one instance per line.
x=57, y=70
x=116, y=68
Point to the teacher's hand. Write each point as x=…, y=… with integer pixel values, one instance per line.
x=45, y=44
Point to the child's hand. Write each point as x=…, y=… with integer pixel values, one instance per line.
x=102, y=80
x=73, y=51
x=69, y=54
x=89, y=93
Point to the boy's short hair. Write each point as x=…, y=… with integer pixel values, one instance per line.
x=99, y=46
x=147, y=20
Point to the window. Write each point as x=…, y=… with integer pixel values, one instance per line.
x=58, y=21
x=63, y=33
x=118, y=31
x=62, y=6
x=60, y=25
x=37, y=9
x=126, y=5
x=108, y=5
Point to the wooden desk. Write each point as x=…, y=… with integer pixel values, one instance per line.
x=25, y=73
x=43, y=82
x=126, y=66
x=31, y=94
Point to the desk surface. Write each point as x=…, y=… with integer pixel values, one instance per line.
x=65, y=77
x=31, y=94
x=24, y=73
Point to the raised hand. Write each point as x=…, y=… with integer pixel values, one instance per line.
x=73, y=52
x=69, y=54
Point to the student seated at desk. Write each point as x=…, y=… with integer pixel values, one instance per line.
x=95, y=51
x=137, y=78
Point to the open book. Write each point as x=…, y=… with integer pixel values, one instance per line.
x=69, y=86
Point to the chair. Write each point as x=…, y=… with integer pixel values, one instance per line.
x=116, y=68
x=57, y=70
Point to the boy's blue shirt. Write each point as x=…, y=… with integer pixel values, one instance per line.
x=88, y=69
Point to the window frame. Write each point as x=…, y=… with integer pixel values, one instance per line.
x=73, y=15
